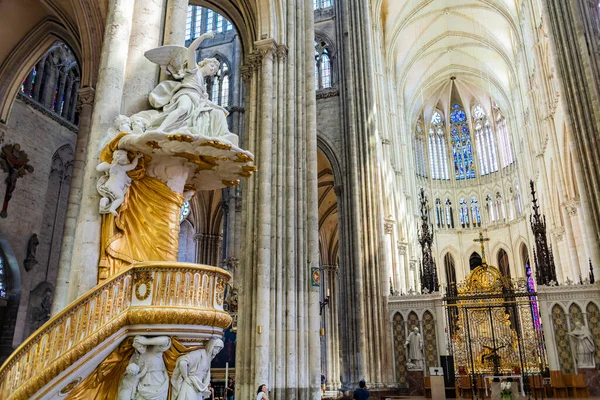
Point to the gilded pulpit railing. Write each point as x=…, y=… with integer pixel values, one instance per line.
x=146, y=293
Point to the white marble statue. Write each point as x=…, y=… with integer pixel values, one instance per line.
x=113, y=185
x=184, y=99
x=191, y=376
x=129, y=383
x=584, y=346
x=414, y=350
x=151, y=382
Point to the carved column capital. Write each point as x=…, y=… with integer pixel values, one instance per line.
x=266, y=48
x=402, y=247
x=389, y=225
x=85, y=97
x=282, y=52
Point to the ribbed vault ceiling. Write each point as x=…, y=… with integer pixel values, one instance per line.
x=428, y=41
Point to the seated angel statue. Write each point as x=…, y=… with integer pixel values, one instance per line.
x=184, y=101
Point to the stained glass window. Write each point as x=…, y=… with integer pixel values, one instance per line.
x=185, y=211
x=63, y=84
x=475, y=215
x=464, y=213
x=218, y=85
x=486, y=144
x=504, y=143
x=438, y=148
x=490, y=206
x=323, y=4
x=210, y=16
x=462, y=151
x=188, y=23
x=322, y=66
x=3, y=278
x=220, y=23
x=449, y=216
x=439, y=214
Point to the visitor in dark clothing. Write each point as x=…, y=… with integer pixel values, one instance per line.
x=361, y=393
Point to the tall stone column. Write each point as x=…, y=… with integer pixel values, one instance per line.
x=332, y=357
x=401, y=282
x=85, y=106
x=107, y=105
x=209, y=249
x=367, y=355
x=175, y=22
x=574, y=34
x=141, y=74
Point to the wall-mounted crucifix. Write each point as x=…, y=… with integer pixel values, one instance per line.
x=14, y=162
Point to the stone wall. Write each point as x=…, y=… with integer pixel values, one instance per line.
x=37, y=207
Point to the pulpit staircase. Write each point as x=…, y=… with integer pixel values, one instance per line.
x=181, y=300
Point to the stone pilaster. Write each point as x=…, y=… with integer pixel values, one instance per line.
x=85, y=107
x=141, y=74
x=107, y=105
x=209, y=249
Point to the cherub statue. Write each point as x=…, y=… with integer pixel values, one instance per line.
x=184, y=101
x=114, y=183
x=130, y=381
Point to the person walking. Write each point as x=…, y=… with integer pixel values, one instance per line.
x=261, y=394
x=323, y=380
x=361, y=393
x=230, y=390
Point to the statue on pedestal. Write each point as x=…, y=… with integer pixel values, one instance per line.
x=584, y=346
x=146, y=376
x=191, y=376
x=414, y=353
x=157, y=157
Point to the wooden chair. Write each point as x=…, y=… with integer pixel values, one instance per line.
x=427, y=385
x=580, y=387
x=558, y=386
x=465, y=386
x=537, y=386
x=481, y=388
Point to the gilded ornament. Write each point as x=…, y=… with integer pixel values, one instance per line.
x=220, y=291
x=231, y=183
x=153, y=144
x=180, y=138
x=243, y=158
x=70, y=386
x=143, y=278
x=217, y=145
x=204, y=163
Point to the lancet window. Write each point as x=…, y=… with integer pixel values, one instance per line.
x=420, y=163
x=462, y=150
x=475, y=215
x=449, y=215
x=504, y=143
x=218, y=85
x=438, y=148
x=486, y=144
x=201, y=20
x=53, y=83
x=185, y=211
x=463, y=212
x=323, y=73
x=500, y=210
x=440, y=217
x=489, y=202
